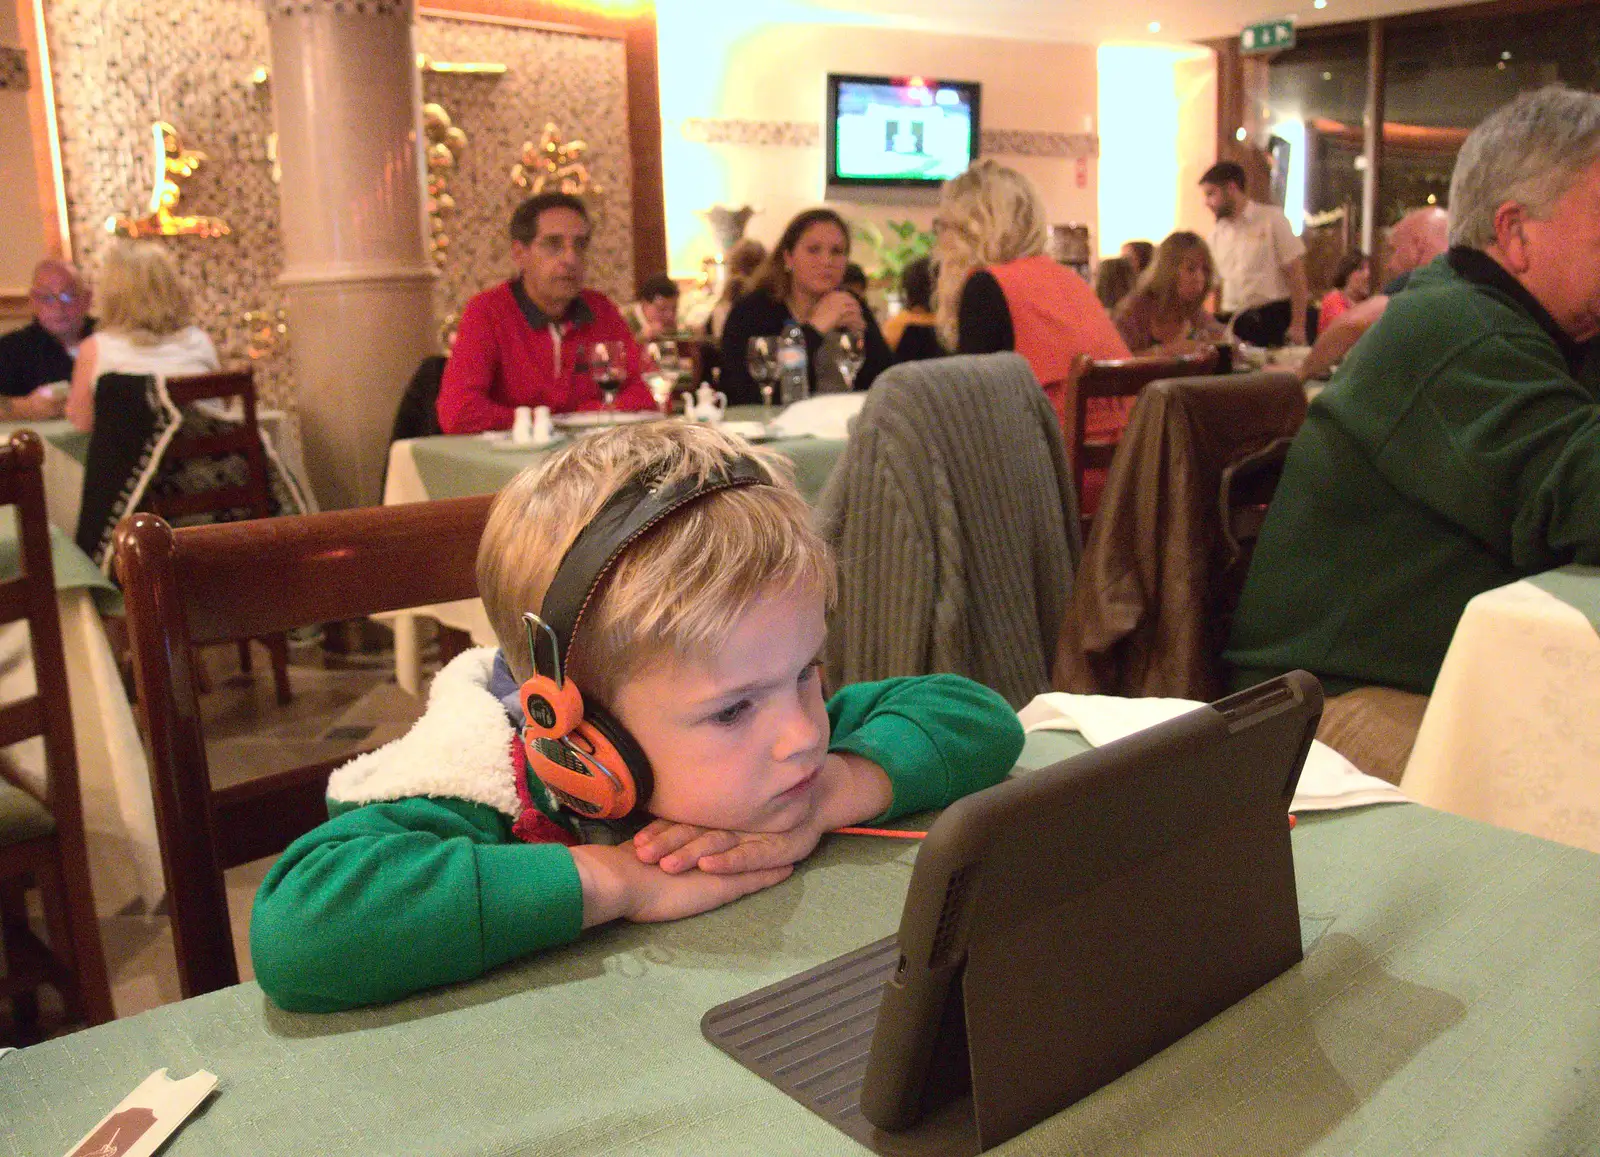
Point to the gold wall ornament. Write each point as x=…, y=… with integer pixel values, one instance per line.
x=554, y=164
x=264, y=329
x=172, y=162
x=445, y=144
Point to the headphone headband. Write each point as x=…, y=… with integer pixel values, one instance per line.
x=629, y=513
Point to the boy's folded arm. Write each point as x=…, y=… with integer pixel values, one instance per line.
x=938, y=737
x=392, y=898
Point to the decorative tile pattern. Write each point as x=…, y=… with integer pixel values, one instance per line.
x=1027, y=143
x=13, y=70
x=339, y=7
x=806, y=135
x=121, y=64
x=768, y=134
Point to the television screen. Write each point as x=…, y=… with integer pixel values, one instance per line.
x=900, y=131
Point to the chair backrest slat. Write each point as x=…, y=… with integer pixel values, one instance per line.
x=240, y=580
x=255, y=495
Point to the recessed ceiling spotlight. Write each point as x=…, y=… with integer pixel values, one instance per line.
x=1154, y=26
x=1319, y=3
x=1505, y=56
x=1240, y=134
x=1432, y=199
x=1327, y=76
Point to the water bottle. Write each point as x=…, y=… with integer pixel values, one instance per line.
x=793, y=383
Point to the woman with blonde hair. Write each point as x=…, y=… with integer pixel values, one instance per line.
x=740, y=266
x=998, y=290
x=1166, y=312
x=144, y=327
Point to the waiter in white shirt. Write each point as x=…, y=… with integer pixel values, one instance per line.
x=1260, y=261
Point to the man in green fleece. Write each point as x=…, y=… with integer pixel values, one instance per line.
x=1457, y=448
x=445, y=857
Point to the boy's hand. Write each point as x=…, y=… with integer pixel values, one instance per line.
x=617, y=885
x=849, y=789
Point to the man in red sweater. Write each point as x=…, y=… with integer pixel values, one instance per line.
x=527, y=342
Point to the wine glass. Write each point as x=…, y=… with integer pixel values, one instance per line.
x=608, y=365
x=852, y=353
x=666, y=366
x=761, y=359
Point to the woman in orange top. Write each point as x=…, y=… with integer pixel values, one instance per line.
x=998, y=291
x=1352, y=284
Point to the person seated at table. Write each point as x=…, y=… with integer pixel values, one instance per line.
x=1457, y=448
x=696, y=652
x=146, y=326
x=1114, y=280
x=912, y=333
x=655, y=314
x=1352, y=284
x=801, y=280
x=40, y=354
x=1166, y=313
x=525, y=342
x=1419, y=237
x=1139, y=254
x=855, y=280
x=739, y=270
x=999, y=291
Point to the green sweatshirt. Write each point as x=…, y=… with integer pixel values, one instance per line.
x=394, y=896
x=1456, y=450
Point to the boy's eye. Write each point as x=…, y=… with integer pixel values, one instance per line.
x=732, y=713
x=809, y=671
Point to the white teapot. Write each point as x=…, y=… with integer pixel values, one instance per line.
x=707, y=405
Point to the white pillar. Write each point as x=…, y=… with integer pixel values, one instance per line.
x=347, y=102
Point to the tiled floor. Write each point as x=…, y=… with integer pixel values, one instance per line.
x=340, y=704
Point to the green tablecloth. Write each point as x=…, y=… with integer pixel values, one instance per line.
x=457, y=466
x=1449, y=1003
x=73, y=568
x=59, y=432
x=1577, y=586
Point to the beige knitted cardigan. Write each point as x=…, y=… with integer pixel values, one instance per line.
x=954, y=518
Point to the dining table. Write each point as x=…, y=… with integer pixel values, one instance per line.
x=113, y=773
x=1448, y=1003
x=66, y=449
x=1511, y=733
x=460, y=465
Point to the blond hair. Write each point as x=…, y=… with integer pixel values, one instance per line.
x=682, y=588
x=987, y=216
x=140, y=294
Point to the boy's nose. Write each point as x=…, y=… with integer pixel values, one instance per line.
x=799, y=732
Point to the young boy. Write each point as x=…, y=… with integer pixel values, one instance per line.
x=444, y=857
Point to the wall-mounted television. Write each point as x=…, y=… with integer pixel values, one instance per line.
x=899, y=131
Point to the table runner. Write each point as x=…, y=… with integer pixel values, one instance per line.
x=1577, y=586
x=1449, y=1003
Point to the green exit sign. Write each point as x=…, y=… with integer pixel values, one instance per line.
x=1268, y=36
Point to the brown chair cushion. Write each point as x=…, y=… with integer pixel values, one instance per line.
x=22, y=818
x=1374, y=728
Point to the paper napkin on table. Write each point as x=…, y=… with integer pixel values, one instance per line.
x=824, y=416
x=1327, y=782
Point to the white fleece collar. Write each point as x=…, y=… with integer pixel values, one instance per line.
x=459, y=749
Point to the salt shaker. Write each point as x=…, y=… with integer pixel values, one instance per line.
x=544, y=430
x=522, y=428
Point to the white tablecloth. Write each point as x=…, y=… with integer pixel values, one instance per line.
x=1512, y=732
x=113, y=775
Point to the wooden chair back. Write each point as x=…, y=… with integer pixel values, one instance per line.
x=230, y=581
x=255, y=493
x=1114, y=380
x=58, y=863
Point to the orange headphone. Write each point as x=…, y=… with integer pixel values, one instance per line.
x=579, y=750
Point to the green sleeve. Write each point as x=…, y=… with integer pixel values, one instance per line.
x=390, y=898
x=939, y=737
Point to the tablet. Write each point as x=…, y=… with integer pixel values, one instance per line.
x=1059, y=929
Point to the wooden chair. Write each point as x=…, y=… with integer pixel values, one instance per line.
x=1115, y=380
x=254, y=494
x=241, y=580
x=41, y=832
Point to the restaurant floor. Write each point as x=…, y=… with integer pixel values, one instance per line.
x=341, y=703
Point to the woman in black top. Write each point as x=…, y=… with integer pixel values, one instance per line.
x=801, y=280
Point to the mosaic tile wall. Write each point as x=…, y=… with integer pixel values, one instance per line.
x=121, y=64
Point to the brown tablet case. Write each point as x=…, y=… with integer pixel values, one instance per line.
x=1060, y=928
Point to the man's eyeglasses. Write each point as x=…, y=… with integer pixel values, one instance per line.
x=66, y=297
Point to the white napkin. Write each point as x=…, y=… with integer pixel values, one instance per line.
x=824, y=416
x=1327, y=782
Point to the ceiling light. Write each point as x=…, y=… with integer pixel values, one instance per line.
x=1505, y=56
x=1432, y=200
x=1240, y=134
x=1154, y=26
x=1327, y=76
x=1319, y=3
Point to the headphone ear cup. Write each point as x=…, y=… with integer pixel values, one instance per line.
x=633, y=763
x=550, y=709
